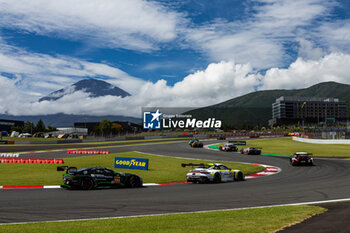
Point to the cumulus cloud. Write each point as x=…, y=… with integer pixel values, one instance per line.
x=259, y=39
x=218, y=82
x=303, y=73
x=41, y=73
x=108, y=23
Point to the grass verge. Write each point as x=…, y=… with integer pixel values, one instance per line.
x=285, y=146
x=161, y=169
x=250, y=220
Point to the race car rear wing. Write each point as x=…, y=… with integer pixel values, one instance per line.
x=69, y=170
x=194, y=164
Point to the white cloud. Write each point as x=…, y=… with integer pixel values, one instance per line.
x=308, y=51
x=302, y=73
x=41, y=73
x=259, y=39
x=108, y=23
x=218, y=82
x=335, y=35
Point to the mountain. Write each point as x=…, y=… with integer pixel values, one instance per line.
x=95, y=87
x=66, y=120
x=256, y=107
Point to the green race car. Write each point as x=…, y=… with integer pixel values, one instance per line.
x=97, y=177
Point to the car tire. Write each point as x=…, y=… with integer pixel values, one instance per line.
x=239, y=176
x=87, y=184
x=293, y=163
x=217, y=178
x=133, y=182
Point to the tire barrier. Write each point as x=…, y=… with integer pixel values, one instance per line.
x=88, y=152
x=9, y=155
x=46, y=161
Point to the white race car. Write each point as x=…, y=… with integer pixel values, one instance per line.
x=213, y=172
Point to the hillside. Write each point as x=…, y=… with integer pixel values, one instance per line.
x=256, y=107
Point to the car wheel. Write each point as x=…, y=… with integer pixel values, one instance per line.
x=87, y=184
x=242, y=151
x=133, y=182
x=294, y=163
x=239, y=176
x=217, y=178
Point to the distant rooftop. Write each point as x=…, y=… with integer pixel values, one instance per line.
x=306, y=99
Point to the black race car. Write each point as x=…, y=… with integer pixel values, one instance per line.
x=301, y=158
x=221, y=137
x=228, y=147
x=94, y=177
x=251, y=151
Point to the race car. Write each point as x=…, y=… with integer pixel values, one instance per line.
x=221, y=137
x=192, y=141
x=228, y=147
x=301, y=158
x=196, y=143
x=251, y=151
x=212, y=172
x=97, y=177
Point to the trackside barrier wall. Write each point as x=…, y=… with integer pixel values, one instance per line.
x=9, y=155
x=88, y=152
x=321, y=141
x=46, y=161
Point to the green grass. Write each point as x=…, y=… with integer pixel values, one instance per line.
x=250, y=221
x=285, y=146
x=161, y=169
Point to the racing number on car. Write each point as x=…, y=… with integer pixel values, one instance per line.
x=116, y=180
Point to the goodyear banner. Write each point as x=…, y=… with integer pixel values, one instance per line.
x=238, y=143
x=131, y=163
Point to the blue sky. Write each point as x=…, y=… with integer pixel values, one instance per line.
x=167, y=52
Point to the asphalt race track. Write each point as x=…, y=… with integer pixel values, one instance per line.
x=328, y=180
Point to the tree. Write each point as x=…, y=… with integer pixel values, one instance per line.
x=105, y=127
x=28, y=127
x=40, y=126
x=50, y=129
x=18, y=129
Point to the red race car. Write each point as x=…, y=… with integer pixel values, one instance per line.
x=301, y=158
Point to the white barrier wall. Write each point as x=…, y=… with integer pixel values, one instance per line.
x=322, y=141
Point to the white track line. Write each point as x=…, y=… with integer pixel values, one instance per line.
x=192, y=212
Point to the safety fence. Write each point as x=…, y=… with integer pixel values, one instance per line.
x=43, y=161
x=88, y=152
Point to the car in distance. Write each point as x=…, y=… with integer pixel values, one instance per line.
x=192, y=141
x=213, y=172
x=228, y=147
x=251, y=151
x=97, y=177
x=221, y=137
x=301, y=158
x=196, y=143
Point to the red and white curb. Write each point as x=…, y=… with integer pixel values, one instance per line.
x=269, y=170
x=58, y=186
